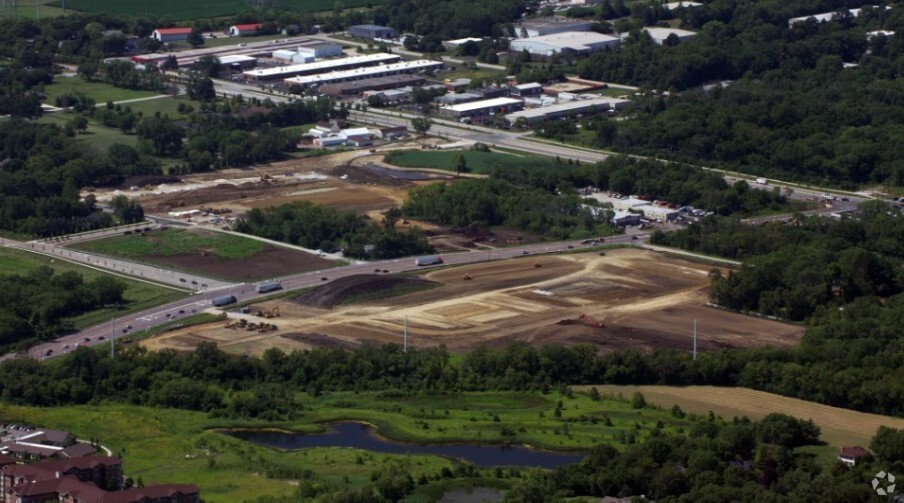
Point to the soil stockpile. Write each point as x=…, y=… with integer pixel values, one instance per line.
x=361, y=287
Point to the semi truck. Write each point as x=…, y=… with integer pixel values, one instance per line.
x=429, y=260
x=268, y=286
x=225, y=300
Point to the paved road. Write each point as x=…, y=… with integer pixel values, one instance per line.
x=101, y=334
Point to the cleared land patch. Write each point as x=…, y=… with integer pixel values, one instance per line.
x=207, y=253
x=645, y=300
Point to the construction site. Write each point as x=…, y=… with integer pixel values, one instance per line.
x=618, y=299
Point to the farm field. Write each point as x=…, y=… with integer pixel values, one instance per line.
x=29, y=9
x=175, y=446
x=181, y=11
x=100, y=92
x=645, y=300
x=140, y=295
x=478, y=162
x=840, y=427
x=207, y=253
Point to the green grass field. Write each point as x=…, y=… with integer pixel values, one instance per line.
x=166, y=106
x=29, y=9
x=140, y=295
x=97, y=136
x=180, y=10
x=174, y=446
x=172, y=242
x=478, y=162
x=100, y=92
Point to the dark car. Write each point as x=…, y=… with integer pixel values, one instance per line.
x=525, y=252
x=323, y=278
x=182, y=280
x=570, y=247
x=102, y=338
x=182, y=311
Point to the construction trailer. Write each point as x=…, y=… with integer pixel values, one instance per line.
x=428, y=260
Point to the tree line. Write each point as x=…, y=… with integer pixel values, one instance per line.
x=325, y=228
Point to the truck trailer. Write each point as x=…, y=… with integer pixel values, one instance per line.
x=268, y=286
x=429, y=260
x=224, y=300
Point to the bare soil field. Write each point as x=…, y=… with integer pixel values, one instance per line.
x=270, y=262
x=644, y=300
x=840, y=427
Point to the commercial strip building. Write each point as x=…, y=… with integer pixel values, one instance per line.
x=283, y=72
x=550, y=25
x=564, y=109
x=319, y=79
x=372, y=31
x=373, y=84
x=570, y=41
x=482, y=108
x=84, y=480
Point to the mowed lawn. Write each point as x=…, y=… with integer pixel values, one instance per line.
x=139, y=294
x=98, y=136
x=100, y=92
x=180, y=10
x=840, y=427
x=176, y=446
x=171, y=242
x=478, y=162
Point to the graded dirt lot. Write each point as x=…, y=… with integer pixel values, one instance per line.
x=840, y=427
x=270, y=262
x=644, y=299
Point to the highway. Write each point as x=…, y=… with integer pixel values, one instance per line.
x=149, y=318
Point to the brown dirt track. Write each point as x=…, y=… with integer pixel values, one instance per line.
x=647, y=301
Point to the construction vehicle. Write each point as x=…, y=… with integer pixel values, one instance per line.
x=589, y=321
x=466, y=277
x=273, y=313
x=537, y=264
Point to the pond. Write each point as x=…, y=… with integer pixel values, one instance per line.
x=363, y=436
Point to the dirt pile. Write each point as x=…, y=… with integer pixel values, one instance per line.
x=361, y=287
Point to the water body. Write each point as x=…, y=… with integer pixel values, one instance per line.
x=362, y=436
x=402, y=175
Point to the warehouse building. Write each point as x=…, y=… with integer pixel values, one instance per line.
x=236, y=62
x=681, y=5
x=243, y=30
x=451, y=45
x=321, y=50
x=482, y=108
x=823, y=17
x=290, y=56
x=549, y=26
x=171, y=34
x=660, y=35
x=530, y=89
x=373, y=84
x=372, y=31
x=416, y=66
x=570, y=41
x=456, y=98
x=282, y=72
x=565, y=109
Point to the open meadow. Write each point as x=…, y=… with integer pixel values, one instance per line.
x=178, y=446
x=181, y=11
x=840, y=427
x=100, y=92
x=642, y=300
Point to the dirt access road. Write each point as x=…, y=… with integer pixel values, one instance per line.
x=645, y=300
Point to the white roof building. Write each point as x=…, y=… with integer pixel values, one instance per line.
x=235, y=59
x=575, y=41
x=678, y=5
x=548, y=26
x=825, y=17
x=453, y=44
x=483, y=107
x=363, y=73
x=884, y=33
x=320, y=66
x=660, y=35
x=563, y=109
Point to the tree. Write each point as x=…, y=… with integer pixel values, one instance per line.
x=164, y=136
x=79, y=123
x=201, y=89
x=638, y=401
x=421, y=125
x=127, y=210
x=460, y=163
x=195, y=38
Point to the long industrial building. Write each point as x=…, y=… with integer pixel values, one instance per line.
x=372, y=84
x=482, y=108
x=559, y=110
x=320, y=67
x=364, y=73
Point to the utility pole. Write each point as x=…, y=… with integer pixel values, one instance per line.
x=695, y=340
x=405, y=339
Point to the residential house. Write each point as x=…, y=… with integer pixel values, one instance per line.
x=853, y=455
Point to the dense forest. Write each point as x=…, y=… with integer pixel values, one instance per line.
x=34, y=307
x=790, y=108
x=326, y=228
